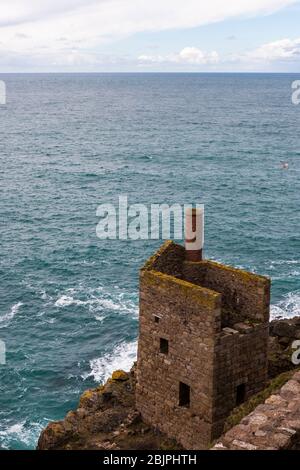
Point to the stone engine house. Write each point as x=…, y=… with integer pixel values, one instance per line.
x=203, y=343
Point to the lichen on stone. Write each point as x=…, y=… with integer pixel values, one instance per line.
x=120, y=375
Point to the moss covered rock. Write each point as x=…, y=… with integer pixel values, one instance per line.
x=120, y=376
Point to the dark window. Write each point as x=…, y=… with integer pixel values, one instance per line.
x=240, y=394
x=156, y=319
x=164, y=346
x=184, y=395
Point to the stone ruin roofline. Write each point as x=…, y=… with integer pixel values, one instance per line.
x=168, y=264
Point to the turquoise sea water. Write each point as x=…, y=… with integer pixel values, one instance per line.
x=69, y=301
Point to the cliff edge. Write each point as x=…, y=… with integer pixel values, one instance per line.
x=106, y=417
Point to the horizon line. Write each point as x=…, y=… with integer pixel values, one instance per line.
x=149, y=73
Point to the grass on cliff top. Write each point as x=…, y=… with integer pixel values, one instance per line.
x=246, y=408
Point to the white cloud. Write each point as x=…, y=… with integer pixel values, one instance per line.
x=152, y=15
x=14, y=12
x=192, y=55
x=31, y=31
x=282, y=50
x=274, y=52
x=188, y=56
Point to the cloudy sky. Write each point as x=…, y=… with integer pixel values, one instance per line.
x=149, y=35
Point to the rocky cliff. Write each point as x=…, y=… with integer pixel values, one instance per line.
x=106, y=417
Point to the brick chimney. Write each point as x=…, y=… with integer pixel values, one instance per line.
x=194, y=234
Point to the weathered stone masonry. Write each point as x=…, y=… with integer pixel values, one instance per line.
x=274, y=425
x=202, y=346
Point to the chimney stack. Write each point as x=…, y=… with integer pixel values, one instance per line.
x=194, y=234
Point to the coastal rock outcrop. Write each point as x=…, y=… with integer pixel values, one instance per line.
x=283, y=334
x=106, y=417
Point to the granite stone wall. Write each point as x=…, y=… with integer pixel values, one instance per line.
x=274, y=425
x=240, y=368
x=186, y=316
x=202, y=344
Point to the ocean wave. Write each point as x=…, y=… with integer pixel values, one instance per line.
x=284, y=261
x=100, y=318
x=100, y=300
x=19, y=435
x=288, y=307
x=284, y=276
x=7, y=317
x=66, y=301
x=122, y=357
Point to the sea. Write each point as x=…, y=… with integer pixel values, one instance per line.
x=71, y=142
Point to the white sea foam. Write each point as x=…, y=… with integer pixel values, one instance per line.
x=66, y=301
x=7, y=317
x=122, y=357
x=100, y=318
x=98, y=304
x=100, y=300
x=288, y=307
x=284, y=261
x=22, y=434
x=50, y=320
x=284, y=276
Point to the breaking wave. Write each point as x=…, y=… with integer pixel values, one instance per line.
x=122, y=357
x=6, y=318
x=19, y=435
x=100, y=300
x=288, y=307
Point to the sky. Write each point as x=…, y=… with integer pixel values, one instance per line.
x=149, y=35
